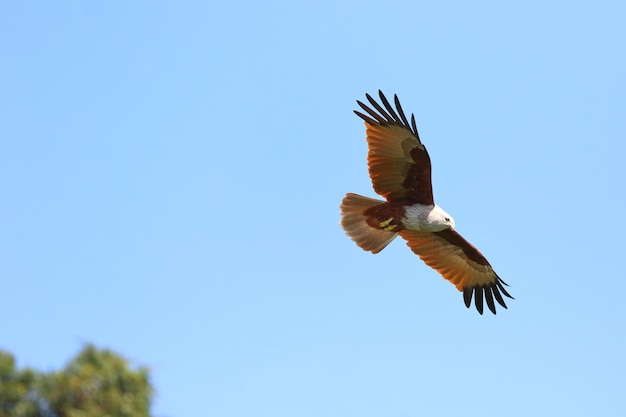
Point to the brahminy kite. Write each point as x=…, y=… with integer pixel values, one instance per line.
x=399, y=167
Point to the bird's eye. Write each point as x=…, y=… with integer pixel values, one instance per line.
x=447, y=219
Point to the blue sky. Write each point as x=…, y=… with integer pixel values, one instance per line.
x=171, y=174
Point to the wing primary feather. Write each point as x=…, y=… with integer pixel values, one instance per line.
x=372, y=113
x=478, y=300
x=489, y=299
x=502, y=281
x=380, y=109
x=389, y=107
x=399, y=107
x=467, y=296
x=499, y=283
x=499, y=299
x=366, y=118
x=414, y=127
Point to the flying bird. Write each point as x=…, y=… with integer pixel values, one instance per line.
x=400, y=170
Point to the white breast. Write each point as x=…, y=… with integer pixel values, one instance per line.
x=425, y=218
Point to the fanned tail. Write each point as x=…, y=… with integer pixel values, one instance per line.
x=354, y=223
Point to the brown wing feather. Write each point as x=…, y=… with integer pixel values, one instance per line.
x=398, y=162
x=461, y=263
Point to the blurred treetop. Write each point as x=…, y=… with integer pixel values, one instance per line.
x=96, y=383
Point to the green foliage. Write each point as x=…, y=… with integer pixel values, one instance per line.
x=16, y=389
x=96, y=383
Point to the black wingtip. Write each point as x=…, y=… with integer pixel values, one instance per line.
x=364, y=117
x=499, y=283
x=478, y=299
x=467, y=296
x=399, y=107
x=489, y=299
x=386, y=114
x=489, y=294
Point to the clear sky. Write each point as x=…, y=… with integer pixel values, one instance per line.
x=170, y=176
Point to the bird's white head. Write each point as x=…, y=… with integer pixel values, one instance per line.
x=440, y=219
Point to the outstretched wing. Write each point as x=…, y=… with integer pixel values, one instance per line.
x=461, y=263
x=399, y=164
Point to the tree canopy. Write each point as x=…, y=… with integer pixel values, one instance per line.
x=97, y=382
